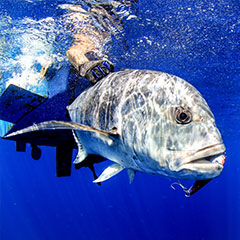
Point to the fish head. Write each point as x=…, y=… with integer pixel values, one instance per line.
x=191, y=143
x=194, y=146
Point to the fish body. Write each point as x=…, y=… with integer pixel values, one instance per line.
x=141, y=106
x=145, y=121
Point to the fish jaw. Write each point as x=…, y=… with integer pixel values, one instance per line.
x=205, y=163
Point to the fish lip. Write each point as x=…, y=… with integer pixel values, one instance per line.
x=211, y=151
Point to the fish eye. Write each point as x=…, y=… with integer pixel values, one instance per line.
x=183, y=115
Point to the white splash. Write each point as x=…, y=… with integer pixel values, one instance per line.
x=35, y=43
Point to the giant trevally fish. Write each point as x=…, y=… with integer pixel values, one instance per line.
x=145, y=121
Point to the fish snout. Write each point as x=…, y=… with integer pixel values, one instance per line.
x=205, y=163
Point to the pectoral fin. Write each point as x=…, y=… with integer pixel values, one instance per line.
x=109, y=137
x=109, y=172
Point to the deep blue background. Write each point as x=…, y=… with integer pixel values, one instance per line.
x=198, y=41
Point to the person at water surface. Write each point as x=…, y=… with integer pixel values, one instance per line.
x=95, y=28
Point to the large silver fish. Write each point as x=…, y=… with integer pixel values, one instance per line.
x=145, y=121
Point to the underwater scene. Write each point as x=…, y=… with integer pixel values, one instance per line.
x=51, y=52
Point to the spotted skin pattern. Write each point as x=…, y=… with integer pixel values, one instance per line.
x=140, y=105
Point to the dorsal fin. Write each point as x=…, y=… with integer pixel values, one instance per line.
x=56, y=125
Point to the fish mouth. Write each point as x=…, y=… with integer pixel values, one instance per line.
x=207, y=162
x=203, y=165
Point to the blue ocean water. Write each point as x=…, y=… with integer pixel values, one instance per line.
x=196, y=40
